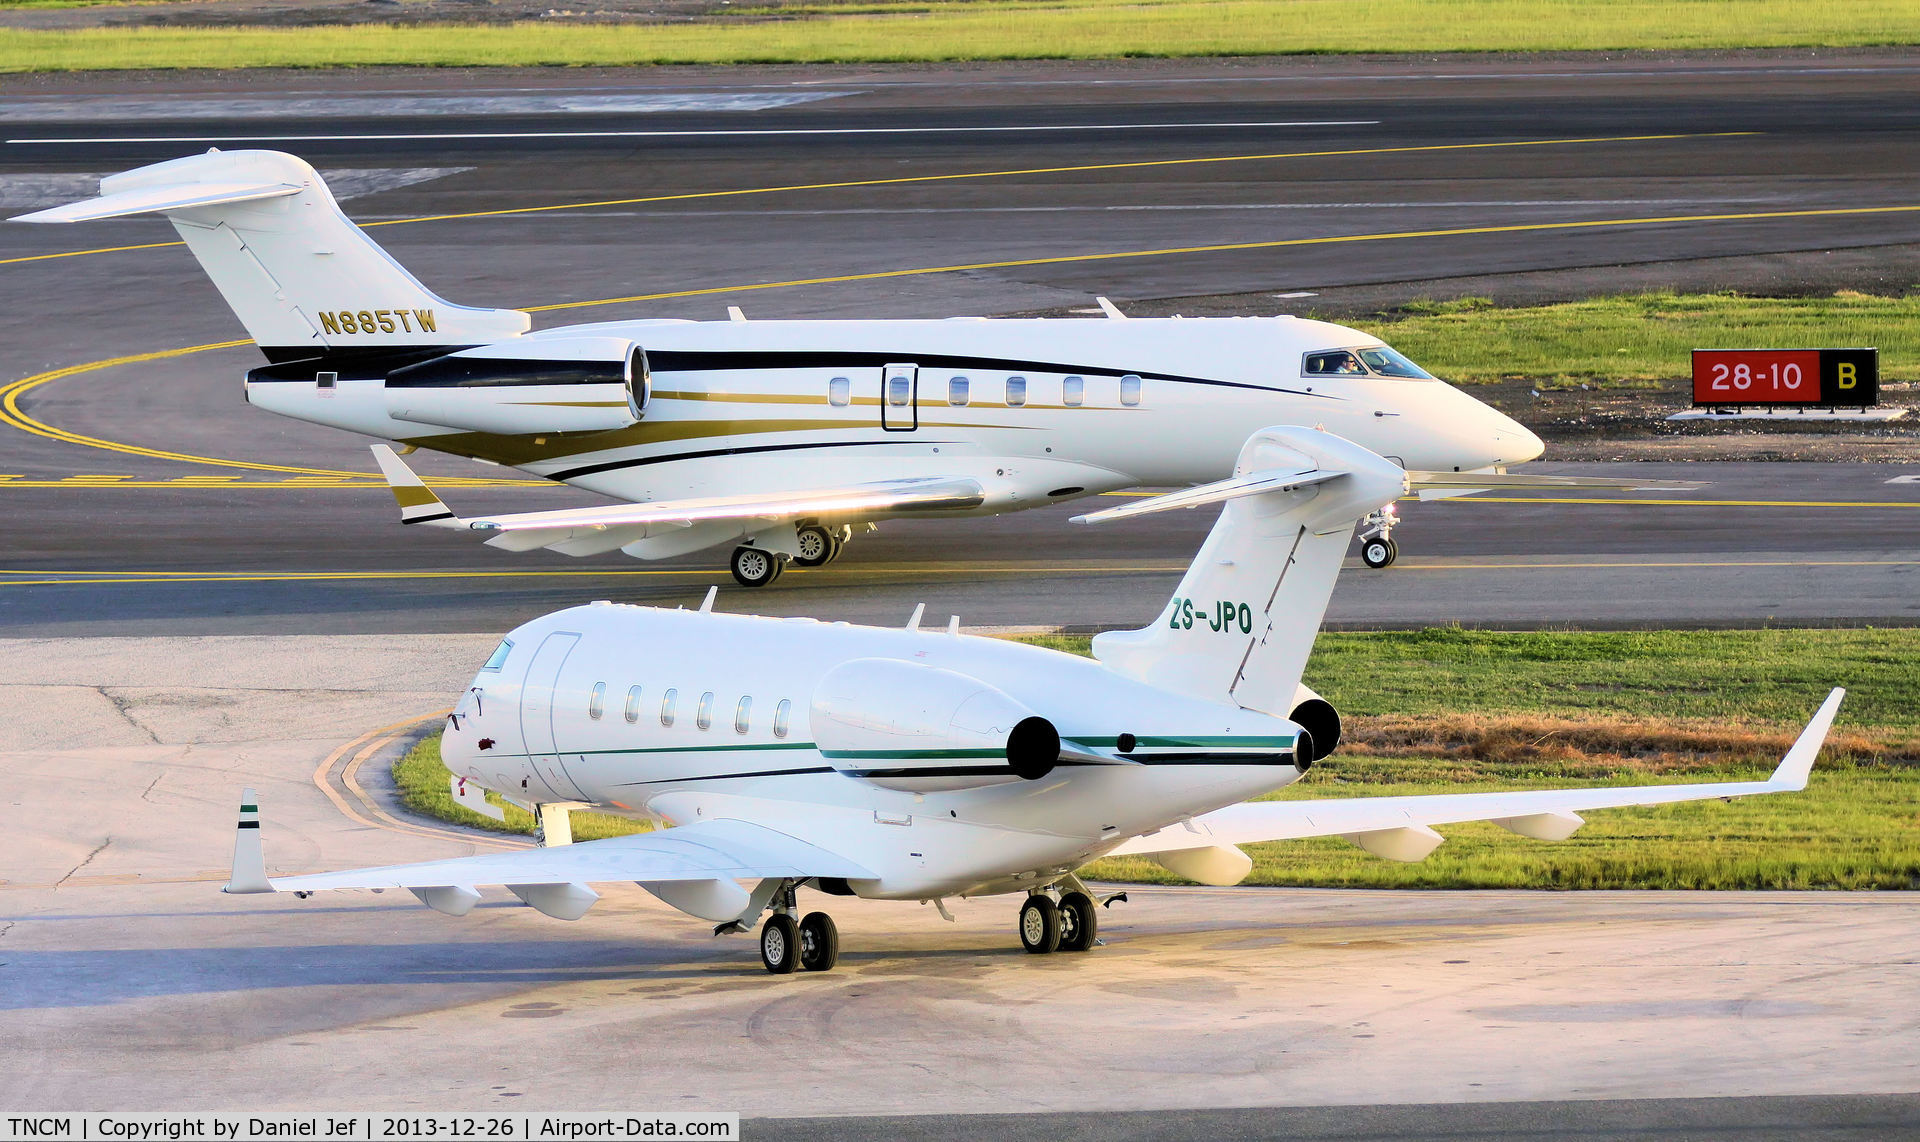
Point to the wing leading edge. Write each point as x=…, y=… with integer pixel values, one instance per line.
x=588, y=531
x=693, y=867
x=1401, y=828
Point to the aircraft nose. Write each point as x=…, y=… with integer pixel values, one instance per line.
x=1516, y=442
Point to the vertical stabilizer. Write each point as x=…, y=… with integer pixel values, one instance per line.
x=1243, y=620
x=298, y=273
x=249, y=865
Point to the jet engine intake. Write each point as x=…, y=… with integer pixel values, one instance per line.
x=517, y=388
x=1321, y=722
x=902, y=725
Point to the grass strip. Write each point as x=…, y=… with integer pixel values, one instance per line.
x=1449, y=711
x=1641, y=340
x=946, y=30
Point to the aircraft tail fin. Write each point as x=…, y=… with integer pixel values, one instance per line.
x=301, y=277
x=1243, y=620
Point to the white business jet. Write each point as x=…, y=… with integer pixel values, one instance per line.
x=780, y=437
x=923, y=764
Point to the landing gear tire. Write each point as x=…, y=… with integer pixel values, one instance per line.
x=780, y=944
x=1378, y=553
x=818, y=546
x=1079, y=922
x=819, y=942
x=1040, y=925
x=755, y=567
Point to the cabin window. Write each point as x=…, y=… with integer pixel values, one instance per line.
x=780, y=715
x=633, y=704
x=666, y=707
x=840, y=392
x=957, y=391
x=499, y=656
x=1336, y=364
x=1388, y=363
x=742, y=714
x=597, y=701
x=704, y=719
x=1073, y=392
x=1016, y=391
x=1130, y=390
x=900, y=390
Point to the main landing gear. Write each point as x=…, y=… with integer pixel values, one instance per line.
x=1070, y=925
x=1377, y=548
x=812, y=942
x=813, y=545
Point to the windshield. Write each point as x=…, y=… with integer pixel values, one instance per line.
x=1377, y=360
x=499, y=656
x=1388, y=363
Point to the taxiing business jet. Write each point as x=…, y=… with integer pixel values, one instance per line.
x=922, y=764
x=780, y=437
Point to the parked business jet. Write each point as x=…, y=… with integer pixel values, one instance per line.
x=781, y=437
x=915, y=764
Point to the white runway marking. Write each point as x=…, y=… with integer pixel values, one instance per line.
x=718, y=134
x=121, y=110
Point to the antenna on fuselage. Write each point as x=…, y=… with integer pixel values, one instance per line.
x=1111, y=310
x=953, y=625
x=735, y=313
x=918, y=610
x=706, y=604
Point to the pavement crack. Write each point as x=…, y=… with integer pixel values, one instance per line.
x=124, y=708
x=98, y=849
x=150, y=785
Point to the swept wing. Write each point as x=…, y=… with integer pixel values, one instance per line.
x=587, y=531
x=1401, y=828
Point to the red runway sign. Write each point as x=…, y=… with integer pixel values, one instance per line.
x=1786, y=376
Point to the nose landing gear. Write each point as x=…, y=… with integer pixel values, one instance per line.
x=1377, y=548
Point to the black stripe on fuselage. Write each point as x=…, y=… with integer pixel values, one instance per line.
x=643, y=461
x=947, y=770
x=732, y=776
x=700, y=361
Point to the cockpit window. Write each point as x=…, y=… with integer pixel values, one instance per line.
x=1388, y=363
x=1339, y=363
x=499, y=656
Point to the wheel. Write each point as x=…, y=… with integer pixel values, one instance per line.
x=1039, y=925
x=1379, y=552
x=819, y=942
x=753, y=567
x=818, y=546
x=1079, y=922
x=780, y=944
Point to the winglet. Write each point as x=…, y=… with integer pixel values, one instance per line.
x=1793, y=768
x=249, y=866
x=417, y=502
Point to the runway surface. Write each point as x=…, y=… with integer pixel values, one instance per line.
x=124, y=970
x=826, y=192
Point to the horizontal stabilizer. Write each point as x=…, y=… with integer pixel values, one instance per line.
x=1398, y=827
x=1216, y=493
x=160, y=200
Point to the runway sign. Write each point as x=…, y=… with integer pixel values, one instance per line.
x=1760, y=377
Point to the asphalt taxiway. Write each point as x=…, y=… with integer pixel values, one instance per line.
x=931, y=192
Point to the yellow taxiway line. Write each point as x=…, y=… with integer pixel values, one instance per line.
x=1415, y=564
x=958, y=177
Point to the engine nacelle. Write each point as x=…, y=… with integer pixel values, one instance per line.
x=901, y=725
x=1317, y=716
x=518, y=388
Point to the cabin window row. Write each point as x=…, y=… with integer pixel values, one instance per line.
x=703, y=713
x=961, y=391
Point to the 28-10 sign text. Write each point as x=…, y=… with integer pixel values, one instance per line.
x=1785, y=376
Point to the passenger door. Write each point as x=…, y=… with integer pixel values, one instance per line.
x=537, y=701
